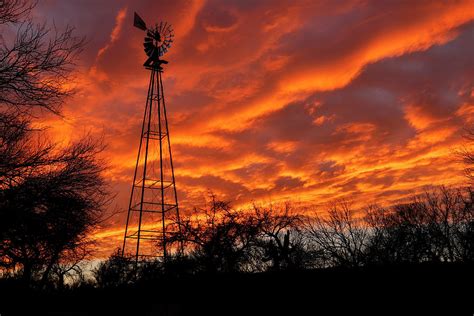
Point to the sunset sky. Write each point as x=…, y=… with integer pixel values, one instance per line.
x=271, y=101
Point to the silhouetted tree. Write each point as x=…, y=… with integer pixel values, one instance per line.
x=340, y=238
x=400, y=235
x=13, y=11
x=281, y=239
x=18, y=157
x=223, y=239
x=466, y=154
x=69, y=269
x=47, y=208
x=117, y=270
x=434, y=227
x=446, y=211
x=36, y=65
x=219, y=238
x=50, y=197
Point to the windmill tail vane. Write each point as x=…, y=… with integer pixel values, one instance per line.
x=138, y=22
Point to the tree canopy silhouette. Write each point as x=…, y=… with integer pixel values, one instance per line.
x=50, y=196
x=220, y=237
x=50, y=199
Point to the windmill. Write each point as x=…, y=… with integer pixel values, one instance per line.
x=158, y=40
x=153, y=213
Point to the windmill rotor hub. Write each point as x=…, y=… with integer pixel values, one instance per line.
x=158, y=39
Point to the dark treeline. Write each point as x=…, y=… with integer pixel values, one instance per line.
x=435, y=227
x=411, y=257
x=416, y=256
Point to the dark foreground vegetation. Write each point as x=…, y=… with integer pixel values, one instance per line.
x=410, y=257
x=407, y=290
x=417, y=255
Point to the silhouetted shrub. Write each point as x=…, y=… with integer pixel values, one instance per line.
x=116, y=271
x=434, y=227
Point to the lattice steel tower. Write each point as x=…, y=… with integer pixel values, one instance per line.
x=153, y=214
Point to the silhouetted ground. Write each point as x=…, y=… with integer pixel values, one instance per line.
x=422, y=289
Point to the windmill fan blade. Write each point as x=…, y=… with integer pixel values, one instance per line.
x=155, y=52
x=149, y=49
x=138, y=22
x=148, y=52
x=148, y=45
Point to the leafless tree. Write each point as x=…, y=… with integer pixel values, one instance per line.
x=464, y=231
x=69, y=267
x=341, y=236
x=22, y=151
x=48, y=203
x=50, y=197
x=219, y=237
x=435, y=227
x=400, y=234
x=14, y=11
x=281, y=237
x=36, y=66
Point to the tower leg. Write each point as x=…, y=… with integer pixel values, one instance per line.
x=153, y=198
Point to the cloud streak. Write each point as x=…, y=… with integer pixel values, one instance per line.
x=114, y=35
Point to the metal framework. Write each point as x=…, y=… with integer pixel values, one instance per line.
x=153, y=212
